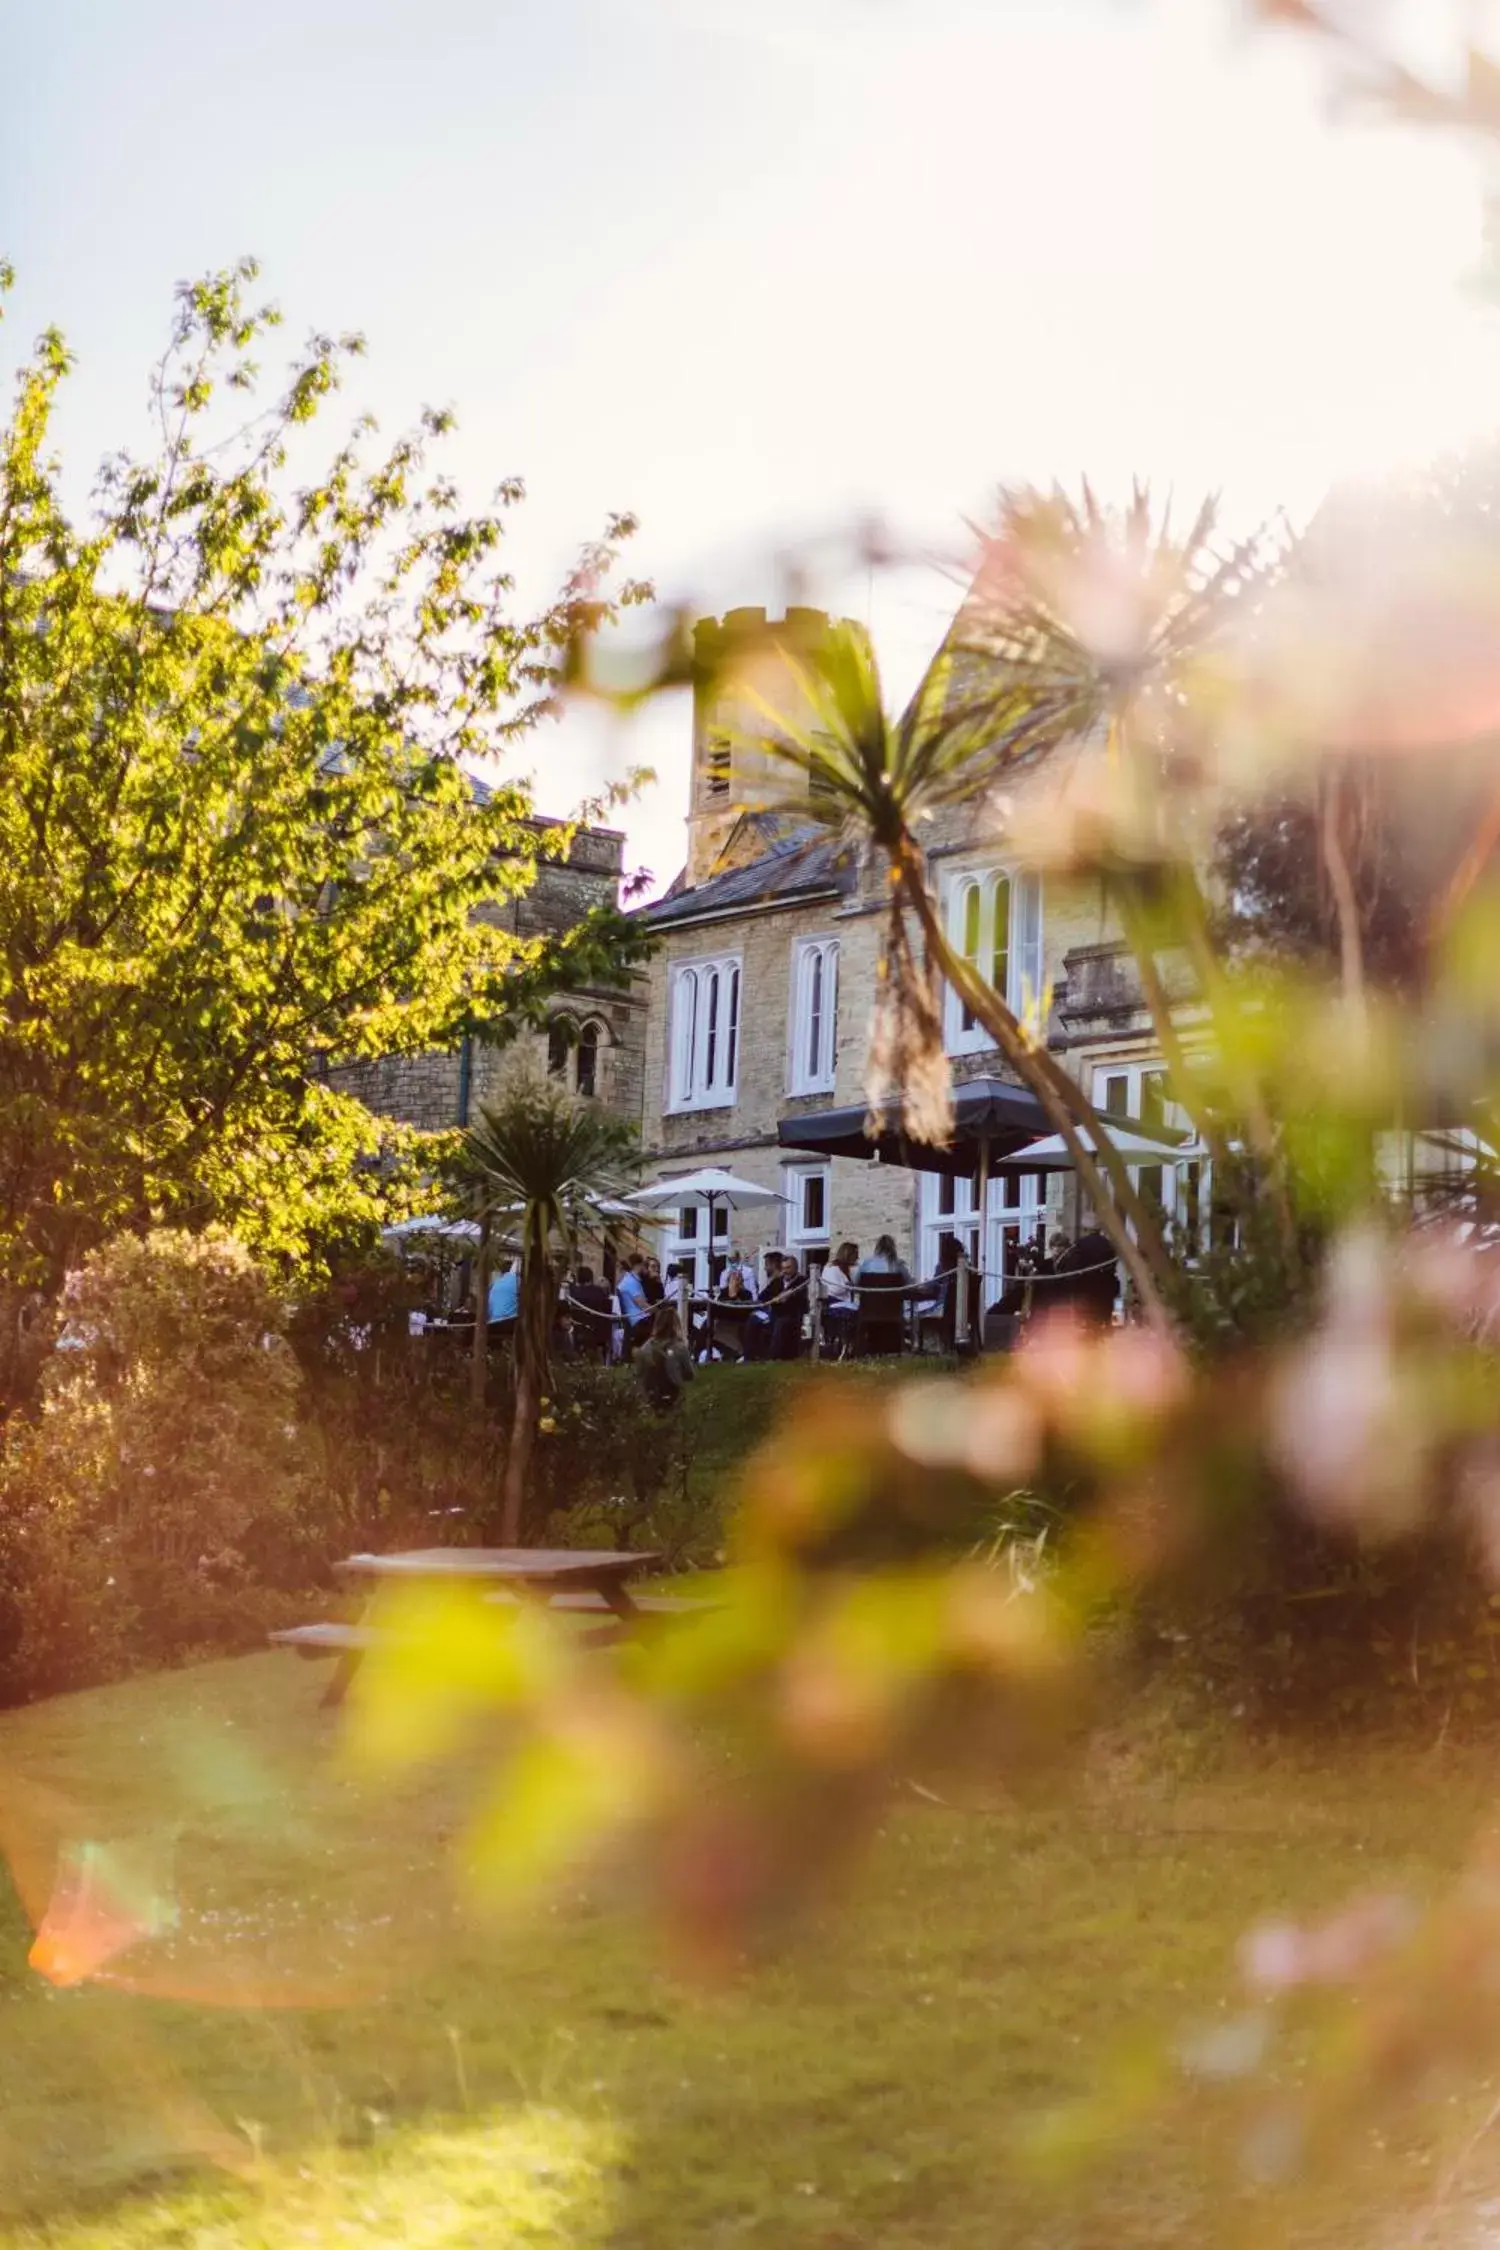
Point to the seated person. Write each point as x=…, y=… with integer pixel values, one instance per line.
x=651, y=1281
x=789, y=1312
x=664, y=1363
x=939, y=1308
x=733, y=1303
x=839, y=1300
x=883, y=1269
x=734, y=1263
x=759, y=1328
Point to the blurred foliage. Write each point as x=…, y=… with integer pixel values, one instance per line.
x=1283, y=1484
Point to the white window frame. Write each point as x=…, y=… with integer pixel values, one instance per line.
x=1015, y=1209
x=1174, y=1194
x=802, y=1240
x=814, y=1016
x=703, y=1040
x=688, y=1243
x=970, y=901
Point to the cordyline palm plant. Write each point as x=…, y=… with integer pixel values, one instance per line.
x=546, y=1163
x=1110, y=627
x=878, y=779
x=1084, y=625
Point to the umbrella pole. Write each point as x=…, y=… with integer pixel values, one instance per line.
x=708, y=1326
x=984, y=1236
x=481, y=1312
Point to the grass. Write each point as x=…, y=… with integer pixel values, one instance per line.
x=550, y=2083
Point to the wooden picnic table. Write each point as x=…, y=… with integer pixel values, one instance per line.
x=539, y=1570
x=571, y=1578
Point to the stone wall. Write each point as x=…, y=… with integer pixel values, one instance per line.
x=1096, y=1014
x=430, y=1091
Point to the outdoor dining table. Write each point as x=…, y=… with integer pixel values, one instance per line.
x=572, y=1577
x=536, y=1570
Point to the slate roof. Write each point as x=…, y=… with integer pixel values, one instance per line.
x=799, y=863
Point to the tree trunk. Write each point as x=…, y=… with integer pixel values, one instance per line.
x=518, y=1459
x=533, y=1376
x=1144, y=1254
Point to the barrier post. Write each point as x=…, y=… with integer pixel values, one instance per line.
x=683, y=1289
x=962, y=1332
x=815, y=1308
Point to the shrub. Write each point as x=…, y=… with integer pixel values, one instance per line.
x=167, y=1475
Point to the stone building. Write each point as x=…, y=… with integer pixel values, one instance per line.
x=595, y=1039
x=762, y=986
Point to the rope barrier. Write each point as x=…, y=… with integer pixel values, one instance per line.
x=904, y=1292
x=592, y=1312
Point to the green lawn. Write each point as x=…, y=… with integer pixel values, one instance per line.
x=551, y=2084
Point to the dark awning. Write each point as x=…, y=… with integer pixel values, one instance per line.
x=984, y=1109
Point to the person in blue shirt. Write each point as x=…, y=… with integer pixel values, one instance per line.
x=505, y=1294
x=635, y=1305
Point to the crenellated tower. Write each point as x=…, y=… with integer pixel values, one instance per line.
x=744, y=668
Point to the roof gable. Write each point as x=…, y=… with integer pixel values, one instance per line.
x=802, y=861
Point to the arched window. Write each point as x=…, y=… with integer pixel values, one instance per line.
x=588, y=1061
x=559, y=1040
x=814, y=1002
x=995, y=921
x=712, y=986
x=704, y=1034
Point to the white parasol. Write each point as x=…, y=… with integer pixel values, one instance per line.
x=433, y=1226
x=710, y=1189
x=1053, y=1155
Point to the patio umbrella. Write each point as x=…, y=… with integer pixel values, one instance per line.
x=711, y=1189
x=988, y=1114
x=1051, y=1154
x=708, y=1190
x=433, y=1226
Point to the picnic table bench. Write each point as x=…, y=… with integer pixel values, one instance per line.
x=573, y=1580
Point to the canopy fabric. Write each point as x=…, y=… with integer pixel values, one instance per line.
x=1052, y=1154
x=447, y=1230
x=696, y=1190
x=991, y=1110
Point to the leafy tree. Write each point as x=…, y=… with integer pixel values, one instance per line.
x=1279, y=905
x=544, y=1163
x=237, y=842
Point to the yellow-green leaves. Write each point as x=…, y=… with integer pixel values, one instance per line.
x=238, y=843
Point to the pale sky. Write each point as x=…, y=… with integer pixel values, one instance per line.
x=761, y=269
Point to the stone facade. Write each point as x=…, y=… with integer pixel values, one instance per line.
x=438, y=1091
x=753, y=909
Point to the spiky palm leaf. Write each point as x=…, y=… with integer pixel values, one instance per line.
x=1089, y=620
x=850, y=768
x=537, y=1150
